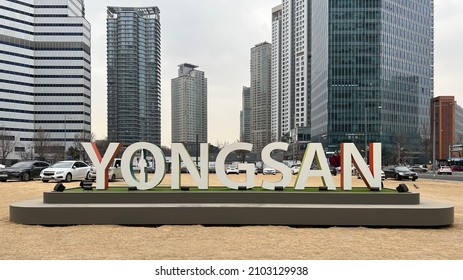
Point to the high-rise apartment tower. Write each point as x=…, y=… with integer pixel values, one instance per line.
x=134, y=75
x=260, y=95
x=189, y=106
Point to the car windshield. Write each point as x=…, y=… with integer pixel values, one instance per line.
x=23, y=164
x=62, y=164
x=402, y=168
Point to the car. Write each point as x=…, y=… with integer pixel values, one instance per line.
x=67, y=170
x=2, y=166
x=456, y=168
x=400, y=173
x=444, y=170
x=295, y=168
x=23, y=170
x=232, y=169
x=419, y=169
x=333, y=170
x=114, y=171
x=383, y=176
x=269, y=170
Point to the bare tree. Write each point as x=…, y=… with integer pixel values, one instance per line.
x=426, y=142
x=85, y=136
x=398, y=152
x=102, y=145
x=459, y=141
x=43, y=145
x=28, y=153
x=7, y=143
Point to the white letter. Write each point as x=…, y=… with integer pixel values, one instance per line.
x=268, y=160
x=101, y=164
x=314, y=150
x=127, y=168
x=371, y=177
x=220, y=166
x=179, y=151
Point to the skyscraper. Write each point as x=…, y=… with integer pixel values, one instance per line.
x=189, y=106
x=291, y=55
x=375, y=82
x=245, y=117
x=370, y=72
x=134, y=75
x=45, y=75
x=260, y=95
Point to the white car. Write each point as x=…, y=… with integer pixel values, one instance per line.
x=295, y=169
x=232, y=169
x=269, y=170
x=2, y=166
x=66, y=171
x=114, y=171
x=444, y=170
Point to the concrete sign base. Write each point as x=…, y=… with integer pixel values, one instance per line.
x=235, y=208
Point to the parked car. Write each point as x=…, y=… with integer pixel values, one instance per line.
x=66, y=171
x=444, y=170
x=232, y=169
x=23, y=170
x=383, y=175
x=295, y=169
x=114, y=171
x=269, y=170
x=400, y=173
x=333, y=170
x=419, y=169
x=456, y=168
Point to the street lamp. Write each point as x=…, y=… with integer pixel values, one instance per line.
x=366, y=128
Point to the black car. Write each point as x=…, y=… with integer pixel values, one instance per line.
x=400, y=173
x=23, y=170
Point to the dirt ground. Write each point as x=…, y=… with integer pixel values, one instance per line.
x=20, y=242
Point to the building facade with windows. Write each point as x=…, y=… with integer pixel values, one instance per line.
x=189, y=106
x=134, y=75
x=446, y=125
x=260, y=96
x=45, y=75
x=354, y=71
x=245, y=116
x=291, y=57
x=375, y=81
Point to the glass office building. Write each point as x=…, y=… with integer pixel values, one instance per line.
x=372, y=74
x=134, y=75
x=45, y=77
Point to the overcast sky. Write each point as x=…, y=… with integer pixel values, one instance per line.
x=217, y=35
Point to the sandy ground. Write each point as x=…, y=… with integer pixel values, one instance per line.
x=19, y=242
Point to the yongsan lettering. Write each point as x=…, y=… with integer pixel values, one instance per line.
x=350, y=155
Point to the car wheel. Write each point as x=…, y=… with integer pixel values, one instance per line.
x=68, y=177
x=45, y=181
x=113, y=178
x=397, y=177
x=87, y=177
x=26, y=177
x=2, y=180
x=413, y=179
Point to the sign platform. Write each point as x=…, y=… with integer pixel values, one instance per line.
x=233, y=208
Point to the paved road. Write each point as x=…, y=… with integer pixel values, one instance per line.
x=456, y=176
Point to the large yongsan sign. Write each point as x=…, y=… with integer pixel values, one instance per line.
x=371, y=174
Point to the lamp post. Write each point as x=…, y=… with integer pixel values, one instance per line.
x=366, y=129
